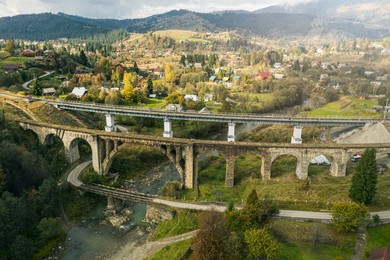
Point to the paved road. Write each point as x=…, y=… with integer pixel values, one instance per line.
x=26, y=84
x=312, y=215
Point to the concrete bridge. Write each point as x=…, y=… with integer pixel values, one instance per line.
x=230, y=119
x=184, y=153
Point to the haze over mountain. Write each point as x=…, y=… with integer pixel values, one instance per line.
x=331, y=18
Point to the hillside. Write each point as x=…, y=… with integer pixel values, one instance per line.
x=270, y=23
x=373, y=13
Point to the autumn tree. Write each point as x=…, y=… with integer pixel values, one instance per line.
x=169, y=74
x=260, y=244
x=364, y=180
x=129, y=81
x=209, y=240
x=10, y=47
x=346, y=216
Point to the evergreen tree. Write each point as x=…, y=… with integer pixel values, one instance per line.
x=36, y=89
x=183, y=60
x=83, y=58
x=150, y=85
x=363, y=186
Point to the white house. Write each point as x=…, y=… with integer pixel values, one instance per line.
x=208, y=97
x=192, y=97
x=79, y=92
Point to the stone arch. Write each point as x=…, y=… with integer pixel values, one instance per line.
x=166, y=150
x=293, y=158
x=72, y=150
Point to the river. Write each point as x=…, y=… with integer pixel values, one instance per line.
x=96, y=238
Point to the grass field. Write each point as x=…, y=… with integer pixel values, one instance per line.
x=14, y=60
x=50, y=81
x=184, y=221
x=347, y=106
x=310, y=240
x=174, y=251
x=284, y=188
x=378, y=237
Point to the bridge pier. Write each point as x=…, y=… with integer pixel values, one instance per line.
x=297, y=135
x=110, y=123
x=266, y=163
x=231, y=132
x=302, y=168
x=191, y=168
x=229, y=181
x=167, y=128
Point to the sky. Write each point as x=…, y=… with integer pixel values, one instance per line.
x=122, y=9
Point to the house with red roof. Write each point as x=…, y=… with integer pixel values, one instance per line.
x=263, y=75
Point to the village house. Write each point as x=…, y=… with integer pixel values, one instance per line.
x=263, y=75
x=11, y=68
x=208, y=97
x=79, y=92
x=174, y=108
x=48, y=91
x=191, y=97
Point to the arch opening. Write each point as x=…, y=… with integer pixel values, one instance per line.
x=321, y=165
x=284, y=166
x=139, y=164
x=247, y=165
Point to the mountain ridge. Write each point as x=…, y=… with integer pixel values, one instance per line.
x=270, y=22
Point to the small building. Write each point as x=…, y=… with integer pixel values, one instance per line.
x=82, y=70
x=225, y=79
x=362, y=96
x=48, y=91
x=192, y=97
x=198, y=65
x=152, y=95
x=79, y=92
x=174, y=108
x=208, y=97
x=11, y=68
x=212, y=78
x=204, y=111
x=279, y=76
x=263, y=75
x=28, y=53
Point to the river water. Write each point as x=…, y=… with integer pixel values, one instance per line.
x=96, y=238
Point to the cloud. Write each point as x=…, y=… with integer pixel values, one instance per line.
x=122, y=9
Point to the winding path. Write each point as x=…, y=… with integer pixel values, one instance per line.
x=26, y=84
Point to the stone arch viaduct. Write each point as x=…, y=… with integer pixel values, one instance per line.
x=184, y=153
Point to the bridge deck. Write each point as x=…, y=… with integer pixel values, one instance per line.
x=212, y=117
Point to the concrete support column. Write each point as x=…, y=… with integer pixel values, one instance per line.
x=167, y=128
x=111, y=203
x=266, y=163
x=191, y=168
x=109, y=148
x=229, y=181
x=302, y=168
x=297, y=135
x=110, y=123
x=231, y=132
